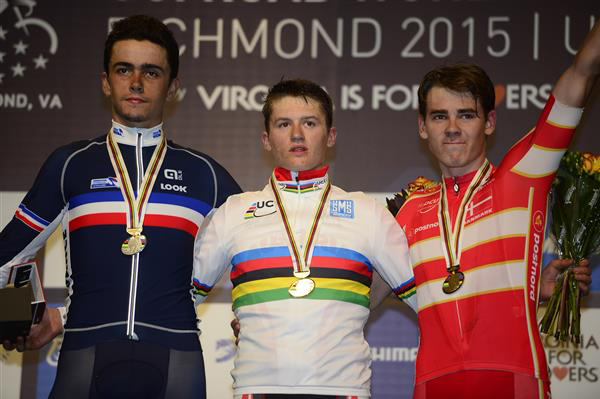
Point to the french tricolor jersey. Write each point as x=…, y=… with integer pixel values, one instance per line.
x=78, y=188
x=312, y=344
x=490, y=322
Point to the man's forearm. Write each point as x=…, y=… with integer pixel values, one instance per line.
x=575, y=85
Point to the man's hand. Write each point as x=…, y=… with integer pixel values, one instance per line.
x=235, y=326
x=582, y=275
x=40, y=334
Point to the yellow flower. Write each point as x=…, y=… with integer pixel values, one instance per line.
x=420, y=183
x=587, y=162
x=596, y=167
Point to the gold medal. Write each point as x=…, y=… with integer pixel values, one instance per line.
x=304, y=285
x=301, y=287
x=453, y=282
x=133, y=244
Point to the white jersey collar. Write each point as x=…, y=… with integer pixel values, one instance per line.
x=129, y=135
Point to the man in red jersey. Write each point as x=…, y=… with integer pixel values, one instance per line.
x=476, y=239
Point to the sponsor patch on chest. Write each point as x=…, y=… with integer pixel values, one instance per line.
x=104, y=182
x=341, y=208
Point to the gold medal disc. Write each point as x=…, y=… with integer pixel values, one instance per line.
x=133, y=245
x=301, y=287
x=453, y=282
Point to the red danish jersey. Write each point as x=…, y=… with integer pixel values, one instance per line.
x=490, y=322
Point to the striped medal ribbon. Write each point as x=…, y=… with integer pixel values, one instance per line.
x=451, y=235
x=135, y=206
x=303, y=285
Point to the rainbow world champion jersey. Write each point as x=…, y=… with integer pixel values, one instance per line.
x=315, y=344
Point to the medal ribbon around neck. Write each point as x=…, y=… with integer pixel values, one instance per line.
x=452, y=234
x=136, y=206
x=301, y=266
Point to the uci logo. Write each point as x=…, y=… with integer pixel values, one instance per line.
x=260, y=209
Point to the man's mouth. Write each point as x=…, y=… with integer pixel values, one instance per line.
x=135, y=100
x=298, y=149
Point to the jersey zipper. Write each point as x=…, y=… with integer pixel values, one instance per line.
x=135, y=259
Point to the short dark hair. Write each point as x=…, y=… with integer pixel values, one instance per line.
x=143, y=27
x=298, y=88
x=459, y=78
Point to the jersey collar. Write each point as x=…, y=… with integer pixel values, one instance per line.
x=301, y=182
x=129, y=135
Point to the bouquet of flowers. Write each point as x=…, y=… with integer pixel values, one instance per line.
x=575, y=211
x=420, y=183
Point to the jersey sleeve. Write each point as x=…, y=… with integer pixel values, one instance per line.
x=391, y=255
x=538, y=154
x=38, y=215
x=226, y=185
x=210, y=254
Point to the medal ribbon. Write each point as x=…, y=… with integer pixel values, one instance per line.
x=136, y=206
x=301, y=263
x=452, y=235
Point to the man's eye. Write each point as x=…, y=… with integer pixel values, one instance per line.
x=310, y=123
x=122, y=71
x=282, y=124
x=468, y=116
x=152, y=74
x=438, y=117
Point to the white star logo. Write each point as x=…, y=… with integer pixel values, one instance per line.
x=40, y=62
x=20, y=47
x=2, y=56
x=18, y=69
x=3, y=33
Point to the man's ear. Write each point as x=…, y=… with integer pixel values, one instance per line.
x=422, y=130
x=173, y=87
x=264, y=137
x=331, y=137
x=490, y=123
x=105, y=84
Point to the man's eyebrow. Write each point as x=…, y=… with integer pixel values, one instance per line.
x=122, y=64
x=152, y=66
x=438, y=111
x=143, y=66
x=463, y=111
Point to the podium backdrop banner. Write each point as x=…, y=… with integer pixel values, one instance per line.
x=368, y=54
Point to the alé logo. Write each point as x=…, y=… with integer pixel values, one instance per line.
x=27, y=45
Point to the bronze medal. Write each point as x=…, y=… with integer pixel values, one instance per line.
x=133, y=245
x=301, y=287
x=453, y=282
x=451, y=234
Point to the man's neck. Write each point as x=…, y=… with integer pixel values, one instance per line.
x=462, y=170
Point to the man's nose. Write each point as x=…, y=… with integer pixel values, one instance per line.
x=452, y=129
x=136, y=86
x=297, y=134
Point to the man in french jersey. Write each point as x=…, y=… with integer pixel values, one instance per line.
x=476, y=240
x=130, y=324
x=302, y=253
